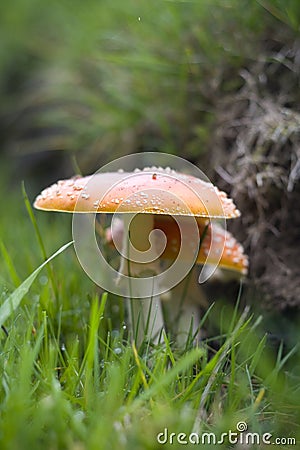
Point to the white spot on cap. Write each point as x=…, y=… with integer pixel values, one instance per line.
x=85, y=196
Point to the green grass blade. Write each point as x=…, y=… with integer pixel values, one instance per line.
x=14, y=300
x=33, y=221
x=169, y=377
x=10, y=265
x=39, y=237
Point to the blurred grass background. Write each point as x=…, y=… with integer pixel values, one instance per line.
x=80, y=85
x=104, y=79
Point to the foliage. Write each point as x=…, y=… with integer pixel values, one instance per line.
x=107, y=78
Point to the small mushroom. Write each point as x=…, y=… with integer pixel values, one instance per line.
x=145, y=199
x=226, y=251
x=218, y=248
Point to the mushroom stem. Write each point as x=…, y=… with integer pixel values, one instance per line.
x=188, y=324
x=146, y=319
x=183, y=306
x=145, y=314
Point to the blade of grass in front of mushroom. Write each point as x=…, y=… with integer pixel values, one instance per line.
x=39, y=239
x=10, y=265
x=14, y=300
x=192, y=338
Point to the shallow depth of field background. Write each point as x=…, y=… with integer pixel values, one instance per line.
x=82, y=83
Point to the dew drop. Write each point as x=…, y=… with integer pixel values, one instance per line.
x=43, y=280
x=85, y=196
x=117, y=351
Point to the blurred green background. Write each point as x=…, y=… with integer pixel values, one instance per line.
x=102, y=79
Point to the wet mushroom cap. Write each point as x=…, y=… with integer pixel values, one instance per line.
x=152, y=191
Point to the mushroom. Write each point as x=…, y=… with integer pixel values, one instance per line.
x=226, y=252
x=141, y=197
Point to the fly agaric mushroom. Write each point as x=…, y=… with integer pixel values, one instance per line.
x=226, y=252
x=145, y=195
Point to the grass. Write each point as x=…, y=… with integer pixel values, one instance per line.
x=71, y=378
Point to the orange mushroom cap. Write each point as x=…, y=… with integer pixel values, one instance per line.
x=151, y=191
